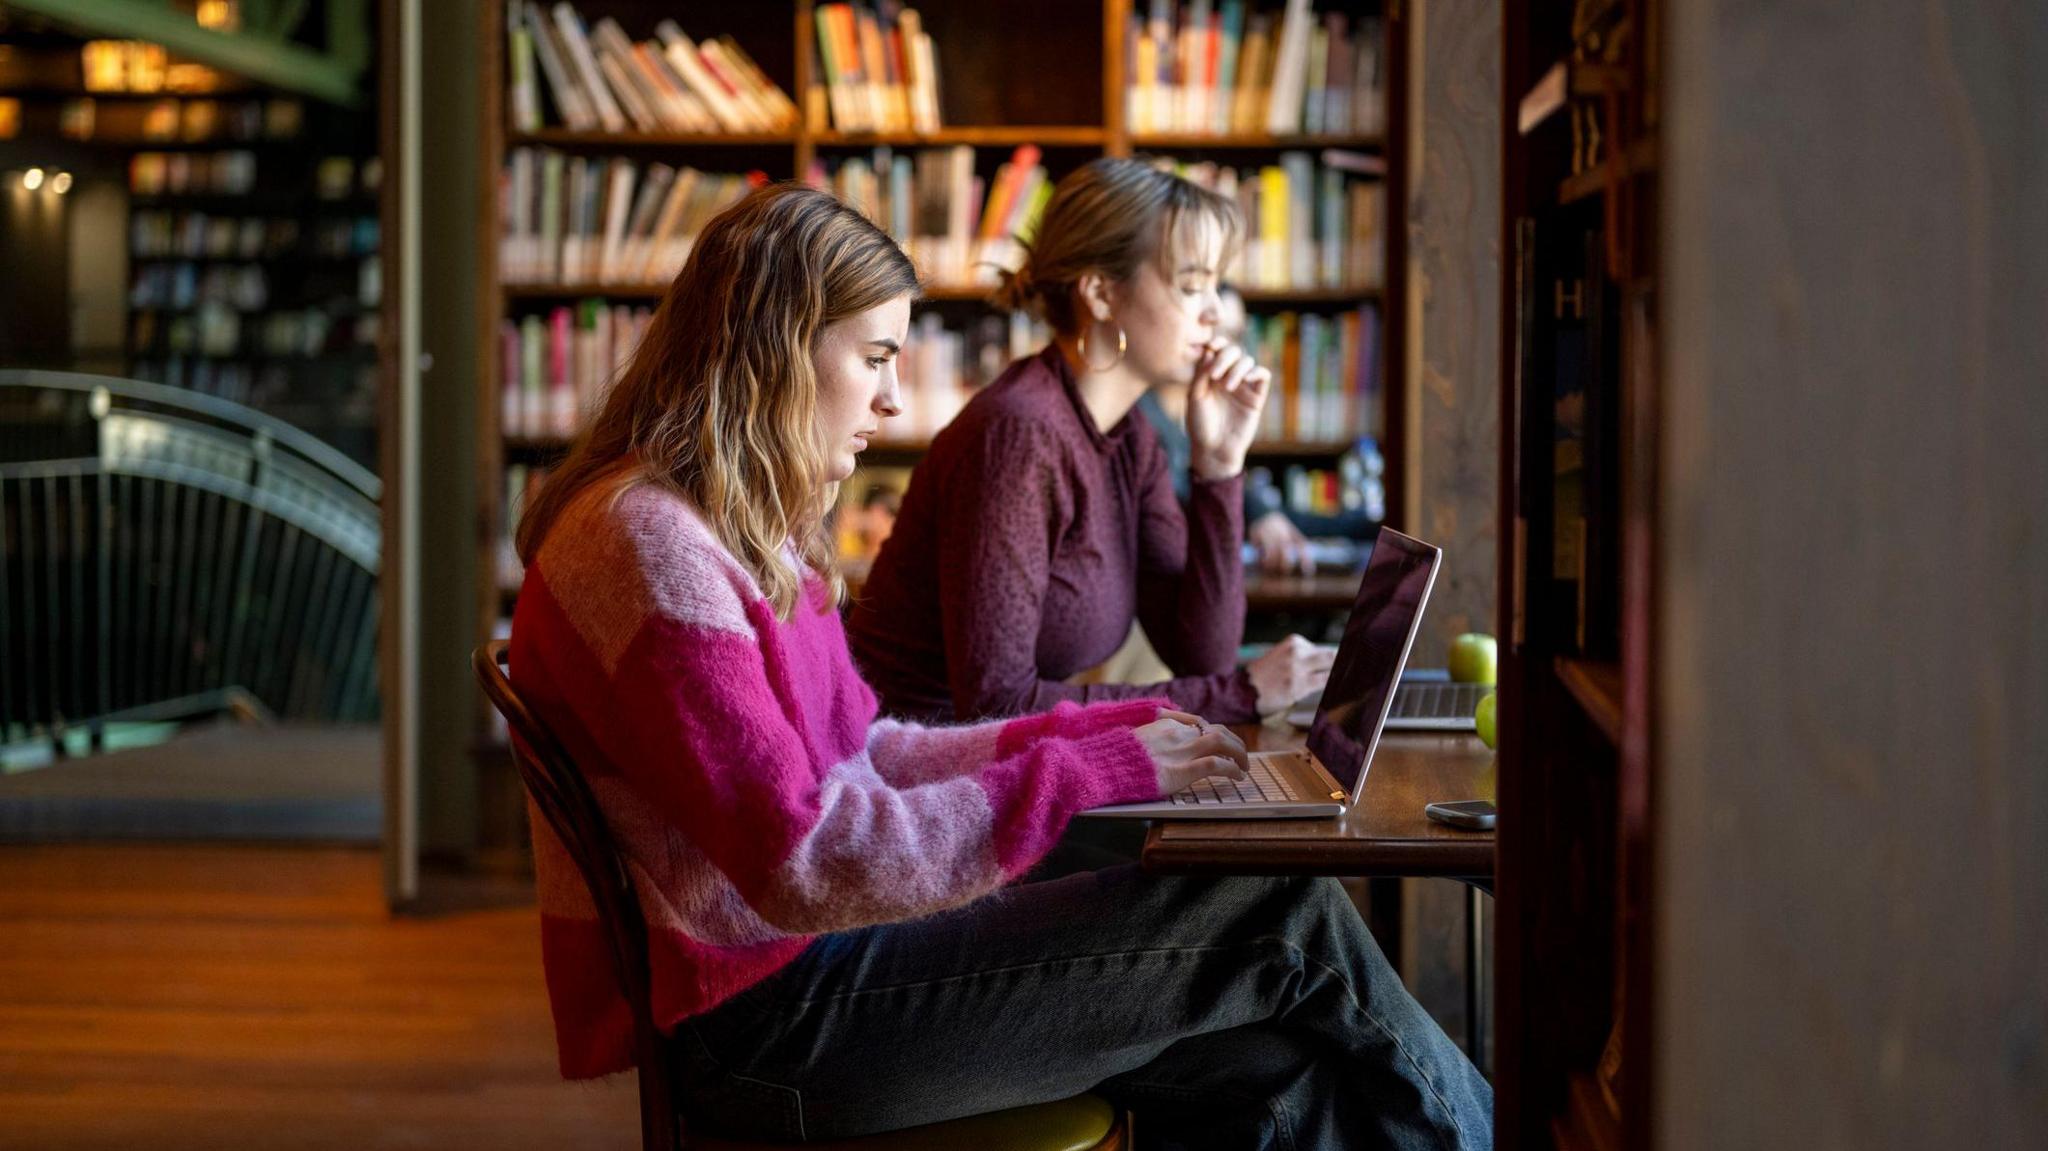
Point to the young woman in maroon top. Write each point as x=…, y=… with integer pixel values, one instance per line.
x=1043, y=520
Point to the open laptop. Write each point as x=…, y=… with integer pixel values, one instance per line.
x=1426, y=701
x=1324, y=778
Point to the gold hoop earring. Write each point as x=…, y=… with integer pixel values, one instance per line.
x=1081, y=346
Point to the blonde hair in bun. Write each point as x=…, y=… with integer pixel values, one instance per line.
x=1109, y=216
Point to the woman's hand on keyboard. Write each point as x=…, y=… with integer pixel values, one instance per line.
x=1185, y=749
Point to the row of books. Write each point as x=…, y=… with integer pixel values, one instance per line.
x=877, y=70
x=1326, y=373
x=598, y=78
x=957, y=227
x=341, y=238
x=228, y=173
x=613, y=220
x=1307, y=223
x=215, y=331
x=182, y=285
x=1348, y=491
x=233, y=173
x=162, y=121
x=578, y=219
x=1219, y=68
x=553, y=369
x=154, y=234
x=940, y=367
x=340, y=177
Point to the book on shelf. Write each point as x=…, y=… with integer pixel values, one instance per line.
x=1326, y=379
x=598, y=78
x=597, y=220
x=566, y=94
x=158, y=234
x=941, y=366
x=553, y=369
x=958, y=229
x=1309, y=221
x=229, y=173
x=521, y=482
x=522, y=86
x=1220, y=69
x=877, y=68
x=583, y=69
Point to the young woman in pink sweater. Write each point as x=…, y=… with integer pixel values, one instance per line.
x=838, y=937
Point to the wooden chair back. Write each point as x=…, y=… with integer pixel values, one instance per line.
x=565, y=801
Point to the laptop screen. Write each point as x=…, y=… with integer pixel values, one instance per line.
x=1383, y=621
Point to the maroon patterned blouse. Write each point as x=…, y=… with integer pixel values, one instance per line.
x=1027, y=543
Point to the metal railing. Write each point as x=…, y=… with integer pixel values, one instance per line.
x=165, y=553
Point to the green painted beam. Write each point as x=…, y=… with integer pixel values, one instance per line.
x=276, y=63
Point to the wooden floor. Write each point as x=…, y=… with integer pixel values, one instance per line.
x=206, y=997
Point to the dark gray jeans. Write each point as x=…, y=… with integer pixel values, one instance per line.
x=1226, y=1013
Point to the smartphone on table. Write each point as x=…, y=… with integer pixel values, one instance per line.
x=1475, y=814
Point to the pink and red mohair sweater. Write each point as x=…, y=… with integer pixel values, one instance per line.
x=740, y=764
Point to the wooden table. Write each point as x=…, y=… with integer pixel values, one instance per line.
x=1383, y=835
x=1324, y=591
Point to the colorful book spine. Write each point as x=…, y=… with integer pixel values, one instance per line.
x=877, y=69
x=525, y=102
x=1325, y=371
x=583, y=65
x=556, y=367
x=1216, y=67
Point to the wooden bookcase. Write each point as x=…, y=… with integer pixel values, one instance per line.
x=1578, y=486
x=1049, y=73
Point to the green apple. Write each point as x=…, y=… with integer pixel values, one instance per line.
x=1474, y=658
x=1482, y=720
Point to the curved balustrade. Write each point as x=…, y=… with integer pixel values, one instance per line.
x=167, y=553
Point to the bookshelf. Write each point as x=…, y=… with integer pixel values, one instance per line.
x=1579, y=486
x=253, y=258
x=1056, y=81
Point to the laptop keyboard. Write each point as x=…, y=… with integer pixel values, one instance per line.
x=1264, y=786
x=1427, y=700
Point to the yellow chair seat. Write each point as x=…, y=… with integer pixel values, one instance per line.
x=1076, y=1124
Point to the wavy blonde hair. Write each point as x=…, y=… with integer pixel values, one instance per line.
x=719, y=402
x=1111, y=216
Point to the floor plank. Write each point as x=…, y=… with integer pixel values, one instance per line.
x=206, y=997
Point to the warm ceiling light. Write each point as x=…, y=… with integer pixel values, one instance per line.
x=32, y=179
x=219, y=14
x=60, y=183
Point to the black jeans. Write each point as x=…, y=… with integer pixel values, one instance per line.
x=1223, y=1012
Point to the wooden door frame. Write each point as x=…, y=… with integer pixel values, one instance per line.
x=398, y=127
